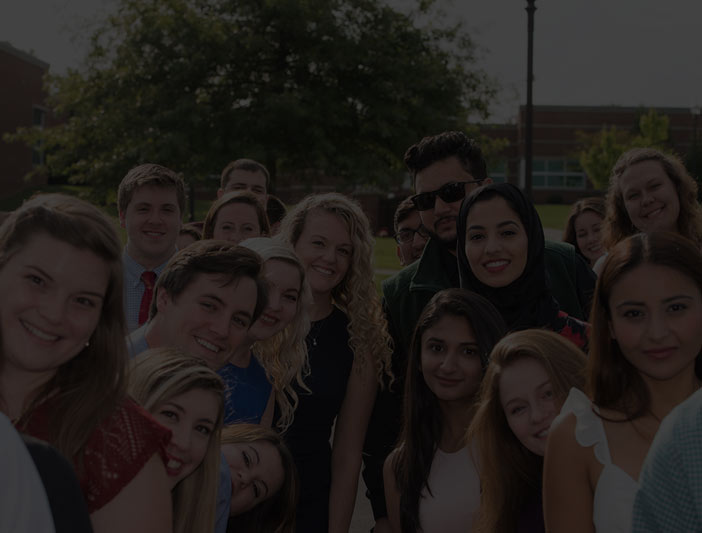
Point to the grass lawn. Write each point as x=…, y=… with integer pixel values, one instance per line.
x=553, y=216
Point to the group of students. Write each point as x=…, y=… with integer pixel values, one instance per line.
x=239, y=382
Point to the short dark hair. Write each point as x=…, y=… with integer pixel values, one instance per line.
x=449, y=143
x=244, y=164
x=404, y=209
x=192, y=229
x=212, y=257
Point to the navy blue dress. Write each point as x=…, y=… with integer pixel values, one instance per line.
x=308, y=436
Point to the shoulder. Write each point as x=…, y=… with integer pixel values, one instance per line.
x=559, y=250
x=398, y=283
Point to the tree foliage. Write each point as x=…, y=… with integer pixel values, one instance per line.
x=600, y=151
x=309, y=87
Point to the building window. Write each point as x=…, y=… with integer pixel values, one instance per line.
x=498, y=173
x=557, y=174
x=38, y=121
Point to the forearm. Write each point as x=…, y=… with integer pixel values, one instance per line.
x=342, y=495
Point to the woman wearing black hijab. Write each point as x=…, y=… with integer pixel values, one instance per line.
x=500, y=253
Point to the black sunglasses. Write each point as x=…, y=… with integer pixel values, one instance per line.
x=407, y=234
x=450, y=192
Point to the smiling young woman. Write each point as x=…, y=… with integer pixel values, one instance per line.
x=185, y=396
x=501, y=257
x=431, y=481
x=644, y=360
x=63, y=359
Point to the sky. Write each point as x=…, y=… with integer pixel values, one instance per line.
x=586, y=52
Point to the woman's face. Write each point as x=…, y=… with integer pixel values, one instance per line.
x=450, y=359
x=527, y=398
x=650, y=197
x=325, y=248
x=588, y=235
x=52, y=298
x=657, y=329
x=191, y=417
x=496, y=242
x=236, y=222
x=257, y=473
x=283, y=294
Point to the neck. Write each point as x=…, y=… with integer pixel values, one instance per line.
x=666, y=395
x=18, y=390
x=148, y=262
x=321, y=306
x=241, y=357
x=456, y=417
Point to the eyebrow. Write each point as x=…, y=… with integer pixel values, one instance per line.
x=500, y=225
x=46, y=275
x=178, y=407
x=213, y=297
x=547, y=382
x=665, y=300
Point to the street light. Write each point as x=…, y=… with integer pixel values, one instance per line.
x=529, y=105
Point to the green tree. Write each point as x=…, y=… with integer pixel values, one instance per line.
x=600, y=151
x=309, y=87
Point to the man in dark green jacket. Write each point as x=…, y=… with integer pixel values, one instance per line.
x=445, y=168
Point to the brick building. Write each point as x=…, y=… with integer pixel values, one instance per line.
x=22, y=103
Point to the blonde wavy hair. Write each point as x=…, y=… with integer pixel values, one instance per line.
x=510, y=475
x=156, y=376
x=618, y=225
x=356, y=295
x=284, y=356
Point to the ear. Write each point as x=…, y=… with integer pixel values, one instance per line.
x=163, y=299
x=399, y=256
x=220, y=192
x=122, y=219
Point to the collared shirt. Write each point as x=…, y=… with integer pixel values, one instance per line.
x=136, y=341
x=670, y=484
x=134, y=288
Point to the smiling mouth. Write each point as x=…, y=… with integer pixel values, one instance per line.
x=654, y=213
x=268, y=320
x=322, y=270
x=174, y=466
x=39, y=334
x=495, y=267
x=660, y=353
x=208, y=345
x=542, y=434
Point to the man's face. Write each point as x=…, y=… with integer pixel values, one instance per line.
x=246, y=180
x=441, y=220
x=208, y=319
x=410, y=250
x=152, y=220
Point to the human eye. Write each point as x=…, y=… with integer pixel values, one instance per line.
x=247, y=459
x=256, y=490
x=240, y=322
x=548, y=393
x=677, y=307
x=205, y=430
x=345, y=252
x=318, y=243
x=86, y=302
x=632, y=313
x=632, y=196
x=516, y=410
x=207, y=306
x=435, y=347
x=36, y=280
x=509, y=233
x=475, y=236
x=169, y=414
x=291, y=297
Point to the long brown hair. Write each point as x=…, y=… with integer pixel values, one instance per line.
x=594, y=204
x=422, y=421
x=618, y=225
x=612, y=381
x=509, y=473
x=90, y=386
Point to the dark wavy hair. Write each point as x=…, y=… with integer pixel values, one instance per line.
x=612, y=381
x=422, y=420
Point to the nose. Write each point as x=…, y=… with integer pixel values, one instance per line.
x=52, y=308
x=448, y=364
x=539, y=412
x=441, y=207
x=646, y=198
x=181, y=438
x=657, y=327
x=244, y=477
x=274, y=299
x=220, y=324
x=492, y=244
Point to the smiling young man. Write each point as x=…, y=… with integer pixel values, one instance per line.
x=445, y=169
x=205, y=300
x=245, y=175
x=150, y=200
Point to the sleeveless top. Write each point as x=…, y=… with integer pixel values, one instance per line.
x=455, y=493
x=246, y=392
x=613, y=501
x=115, y=452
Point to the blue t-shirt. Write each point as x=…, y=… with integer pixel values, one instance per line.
x=247, y=392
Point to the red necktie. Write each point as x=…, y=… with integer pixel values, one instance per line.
x=149, y=279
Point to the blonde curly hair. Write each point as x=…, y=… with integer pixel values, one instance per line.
x=356, y=295
x=284, y=356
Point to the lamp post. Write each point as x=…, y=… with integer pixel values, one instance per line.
x=529, y=105
x=695, y=113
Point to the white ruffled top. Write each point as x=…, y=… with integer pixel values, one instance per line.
x=613, y=501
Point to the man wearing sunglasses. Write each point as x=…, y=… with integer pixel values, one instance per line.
x=411, y=236
x=445, y=168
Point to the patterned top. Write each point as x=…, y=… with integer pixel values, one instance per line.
x=670, y=493
x=247, y=392
x=115, y=452
x=576, y=331
x=134, y=288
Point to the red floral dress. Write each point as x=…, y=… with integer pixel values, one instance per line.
x=115, y=452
